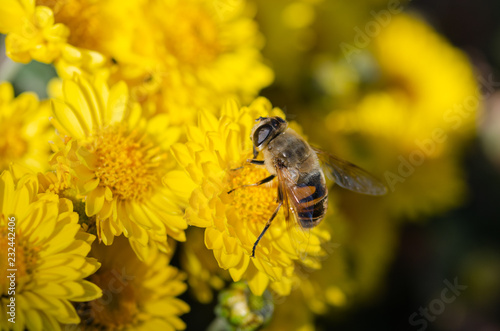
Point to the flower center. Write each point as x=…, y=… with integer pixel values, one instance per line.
x=190, y=34
x=82, y=18
x=117, y=307
x=12, y=145
x=254, y=204
x=127, y=163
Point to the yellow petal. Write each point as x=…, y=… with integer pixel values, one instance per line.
x=207, y=121
x=227, y=261
x=213, y=238
x=258, y=283
x=77, y=101
x=117, y=103
x=231, y=108
x=43, y=16
x=93, y=102
x=238, y=271
x=68, y=120
x=95, y=201
x=87, y=158
x=33, y=320
x=36, y=301
x=105, y=231
x=233, y=146
x=138, y=215
x=182, y=154
x=194, y=133
x=90, y=292
x=142, y=251
x=180, y=183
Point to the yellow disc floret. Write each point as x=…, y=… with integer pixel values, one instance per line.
x=125, y=164
x=255, y=203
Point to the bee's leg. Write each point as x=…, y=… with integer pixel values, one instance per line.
x=260, y=182
x=253, y=161
x=266, y=227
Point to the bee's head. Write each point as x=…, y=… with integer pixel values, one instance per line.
x=266, y=129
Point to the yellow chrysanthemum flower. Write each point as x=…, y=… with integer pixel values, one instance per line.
x=422, y=117
x=429, y=85
x=137, y=295
x=49, y=264
x=185, y=48
x=25, y=127
x=169, y=52
x=33, y=34
x=116, y=159
x=234, y=221
x=31, y=31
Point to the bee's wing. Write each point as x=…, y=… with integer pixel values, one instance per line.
x=350, y=176
x=295, y=198
x=292, y=195
x=283, y=181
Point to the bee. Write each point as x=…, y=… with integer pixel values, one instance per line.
x=301, y=181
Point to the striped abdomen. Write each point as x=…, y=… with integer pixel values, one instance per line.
x=313, y=196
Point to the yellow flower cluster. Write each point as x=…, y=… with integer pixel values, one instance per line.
x=169, y=52
x=146, y=134
x=128, y=86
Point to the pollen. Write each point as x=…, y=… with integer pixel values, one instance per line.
x=191, y=34
x=254, y=203
x=127, y=163
x=80, y=17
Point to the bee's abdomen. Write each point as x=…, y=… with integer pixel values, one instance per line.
x=312, y=207
x=310, y=216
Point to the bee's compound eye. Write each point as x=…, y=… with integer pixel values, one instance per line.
x=277, y=122
x=261, y=134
